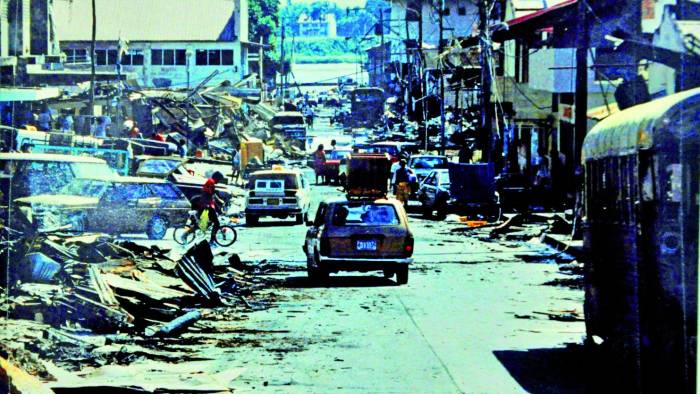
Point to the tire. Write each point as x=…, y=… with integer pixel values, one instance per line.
x=226, y=235
x=388, y=273
x=188, y=239
x=156, y=228
x=315, y=271
x=299, y=218
x=427, y=211
x=402, y=274
x=441, y=210
x=251, y=220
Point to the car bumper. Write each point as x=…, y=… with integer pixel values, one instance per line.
x=361, y=264
x=271, y=211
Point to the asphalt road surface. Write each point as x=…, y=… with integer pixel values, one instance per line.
x=473, y=318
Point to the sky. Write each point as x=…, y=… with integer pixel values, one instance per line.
x=341, y=3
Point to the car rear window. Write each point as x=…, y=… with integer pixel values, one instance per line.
x=85, y=188
x=365, y=215
x=290, y=180
x=428, y=162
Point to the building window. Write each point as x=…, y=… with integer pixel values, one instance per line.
x=214, y=57
x=446, y=10
x=105, y=57
x=76, y=55
x=168, y=57
x=227, y=57
x=462, y=10
x=132, y=59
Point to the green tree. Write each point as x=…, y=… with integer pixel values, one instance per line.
x=263, y=22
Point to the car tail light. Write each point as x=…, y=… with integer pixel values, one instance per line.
x=408, y=247
x=255, y=200
x=325, y=247
x=288, y=200
x=252, y=194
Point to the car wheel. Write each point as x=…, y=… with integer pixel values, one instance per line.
x=441, y=208
x=402, y=274
x=251, y=220
x=156, y=228
x=427, y=211
x=315, y=270
x=388, y=273
x=299, y=218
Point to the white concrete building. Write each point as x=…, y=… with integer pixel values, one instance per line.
x=170, y=43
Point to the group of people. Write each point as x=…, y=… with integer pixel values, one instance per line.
x=320, y=158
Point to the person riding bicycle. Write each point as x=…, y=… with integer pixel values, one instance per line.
x=208, y=200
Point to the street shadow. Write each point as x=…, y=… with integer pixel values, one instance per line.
x=543, y=371
x=298, y=282
x=276, y=223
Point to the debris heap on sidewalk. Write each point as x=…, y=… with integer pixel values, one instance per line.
x=90, y=301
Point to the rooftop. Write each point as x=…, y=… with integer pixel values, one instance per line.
x=146, y=20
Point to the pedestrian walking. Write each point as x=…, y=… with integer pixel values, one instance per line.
x=235, y=165
x=402, y=182
x=319, y=162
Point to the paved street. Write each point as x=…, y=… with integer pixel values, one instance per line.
x=453, y=328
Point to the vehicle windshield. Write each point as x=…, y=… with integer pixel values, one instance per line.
x=85, y=187
x=290, y=180
x=364, y=214
x=157, y=166
x=428, y=162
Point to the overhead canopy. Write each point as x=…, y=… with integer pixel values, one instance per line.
x=536, y=21
x=28, y=94
x=633, y=129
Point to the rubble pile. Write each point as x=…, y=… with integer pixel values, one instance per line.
x=92, y=301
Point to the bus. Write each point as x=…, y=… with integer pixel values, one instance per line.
x=640, y=228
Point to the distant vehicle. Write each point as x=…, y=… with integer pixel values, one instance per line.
x=188, y=174
x=291, y=124
x=640, y=234
x=27, y=174
x=434, y=193
x=359, y=235
x=366, y=107
x=422, y=165
x=114, y=205
x=277, y=193
x=396, y=150
x=467, y=189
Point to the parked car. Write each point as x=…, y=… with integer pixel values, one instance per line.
x=422, y=165
x=277, y=193
x=27, y=174
x=359, y=235
x=291, y=124
x=434, y=193
x=113, y=205
x=467, y=189
x=187, y=174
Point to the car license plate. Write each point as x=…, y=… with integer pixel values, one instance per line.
x=273, y=201
x=366, y=244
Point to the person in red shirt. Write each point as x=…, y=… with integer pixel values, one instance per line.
x=209, y=200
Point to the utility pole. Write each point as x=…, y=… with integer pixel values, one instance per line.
x=441, y=48
x=581, y=99
x=409, y=67
x=383, y=61
x=282, y=66
x=486, y=110
x=92, y=59
x=422, y=74
x=261, y=64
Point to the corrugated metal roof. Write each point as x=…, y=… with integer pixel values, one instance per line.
x=145, y=20
x=633, y=129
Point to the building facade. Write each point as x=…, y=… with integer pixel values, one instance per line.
x=155, y=42
x=325, y=26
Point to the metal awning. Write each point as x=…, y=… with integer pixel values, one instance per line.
x=28, y=94
x=603, y=111
x=633, y=129
x=536, y=21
